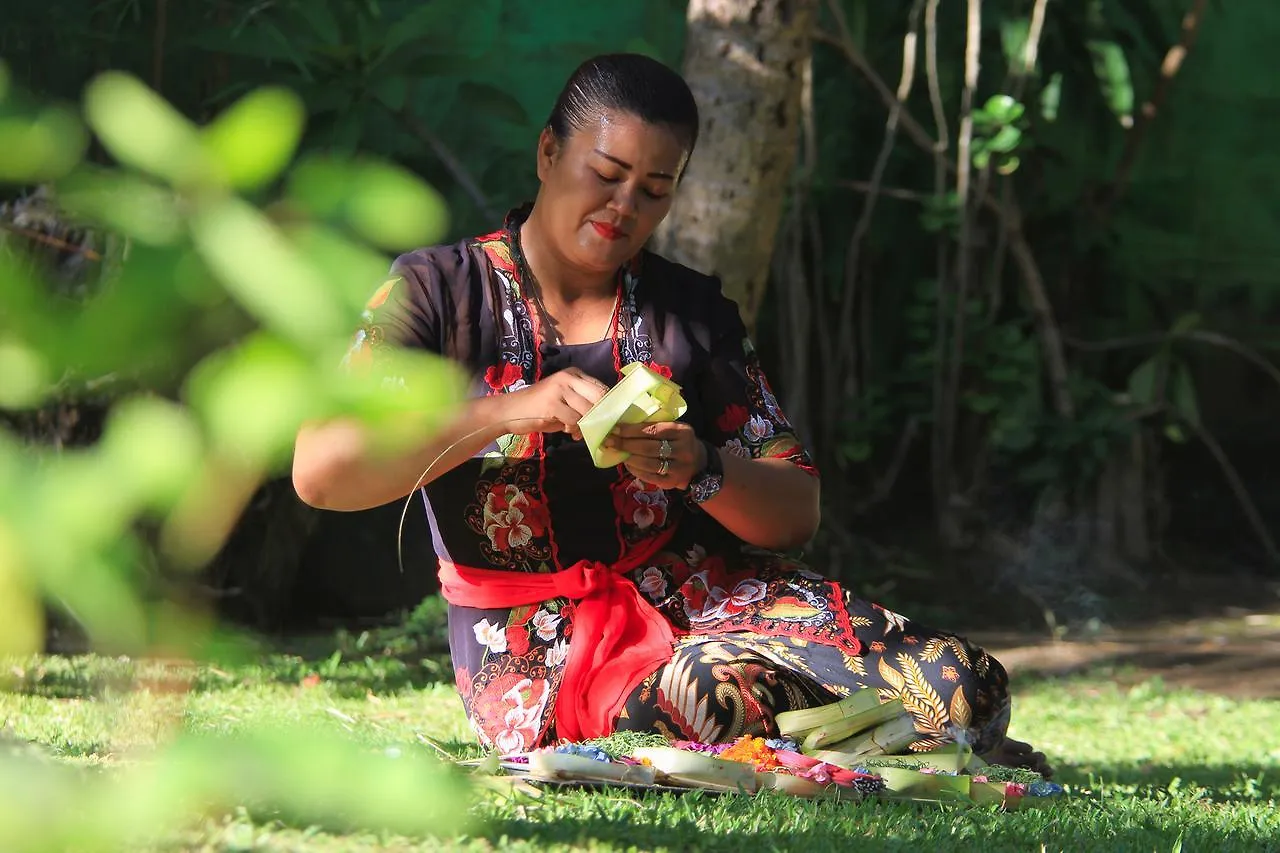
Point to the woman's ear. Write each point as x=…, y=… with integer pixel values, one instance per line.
x=548, y=151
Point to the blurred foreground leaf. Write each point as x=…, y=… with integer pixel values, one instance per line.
x=301, y=779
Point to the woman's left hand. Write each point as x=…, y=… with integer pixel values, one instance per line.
x=667, y=455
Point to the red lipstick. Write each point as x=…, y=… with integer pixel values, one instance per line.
x=607, y=231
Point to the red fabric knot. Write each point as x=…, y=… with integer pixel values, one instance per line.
x=582, y=579
x=618, y=637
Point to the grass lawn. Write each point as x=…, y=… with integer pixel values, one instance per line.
x=1147, y=767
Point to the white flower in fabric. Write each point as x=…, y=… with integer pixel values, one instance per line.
x=696, y=555
x=737, y=448
x=653, y=583
x=509, y=741
x=748, y=591
x=759, y=428
x=511, y=520
x=647, y=505
x=523, y=719
x=558, y=653
x=493, y=636
x=895, y=620
x=545, y=622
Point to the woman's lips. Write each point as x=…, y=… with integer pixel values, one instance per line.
x=607, y=231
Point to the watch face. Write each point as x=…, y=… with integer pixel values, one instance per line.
x=706, y=488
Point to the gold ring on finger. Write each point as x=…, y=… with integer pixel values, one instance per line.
x=663, y=467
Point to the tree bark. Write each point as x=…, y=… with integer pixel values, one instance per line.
x=744, y=61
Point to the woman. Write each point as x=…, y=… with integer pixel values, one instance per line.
x=651, y=596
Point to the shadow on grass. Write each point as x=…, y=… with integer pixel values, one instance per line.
x=1247, y=783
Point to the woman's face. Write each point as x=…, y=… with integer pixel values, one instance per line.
x=606, y=187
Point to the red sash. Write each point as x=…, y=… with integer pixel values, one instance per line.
x=618, y=637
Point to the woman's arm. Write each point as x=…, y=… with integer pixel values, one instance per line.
x=335, y=465
x=769, y=503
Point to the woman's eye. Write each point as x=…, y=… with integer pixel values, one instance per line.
x=605, y=179
x=655, y=196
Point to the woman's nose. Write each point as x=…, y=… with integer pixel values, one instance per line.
x=624, y=200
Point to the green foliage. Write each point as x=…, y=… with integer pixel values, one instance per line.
x=71, y=524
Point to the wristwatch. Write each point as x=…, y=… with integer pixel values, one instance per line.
x=706, y=484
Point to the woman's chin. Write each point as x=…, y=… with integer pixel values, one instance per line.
x=603, y=257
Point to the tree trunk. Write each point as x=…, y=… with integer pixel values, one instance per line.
x=744, y=60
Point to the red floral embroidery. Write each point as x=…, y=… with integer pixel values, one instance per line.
x=518, y=640
x=462, y=678
x=511, y=518
x=500, y=378
x=640, y=505
x=733, y=418
x=511, y=708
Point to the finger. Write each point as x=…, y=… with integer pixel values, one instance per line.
x=652, y=470
x=650, y=448
x=586, y=386
x=655, y=432
x=567, y=418
x=579, y=403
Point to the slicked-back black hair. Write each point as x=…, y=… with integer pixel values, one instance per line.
x=626, y=82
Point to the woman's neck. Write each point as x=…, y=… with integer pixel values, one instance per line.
x=559, y=281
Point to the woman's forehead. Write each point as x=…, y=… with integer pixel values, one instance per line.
x=627, y=137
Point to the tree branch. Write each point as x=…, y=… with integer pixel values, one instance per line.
x=1230, y=344
x=56, y=242
x=1010, y=215
x=1239, y=490
x=450, y=161
x=1169, y=68
x=848, y=368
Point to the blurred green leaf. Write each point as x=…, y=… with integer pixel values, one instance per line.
x=131, y=205
x=1051, y=98
x=1184, y=397
x=1004, y=109
x=142, y=130
x=1013, y=40
x=42, y=148
x=1005, y=140
x=494, y=101
x=24, y=375
x=1186, y=323
x=264, y=273
x=391, y=208
x=1112, y=70
x=253, y=397
x=1144, y=380
x=318, y=15
x=21, y=616
x=154, y=447
x=256, y=137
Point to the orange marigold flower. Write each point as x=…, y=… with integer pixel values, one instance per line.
x=752, y=750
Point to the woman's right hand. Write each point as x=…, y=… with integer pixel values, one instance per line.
x=553, y=404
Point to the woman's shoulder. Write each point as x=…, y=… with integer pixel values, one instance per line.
x=442, y=264
x=682, y=288
x=696, y=298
